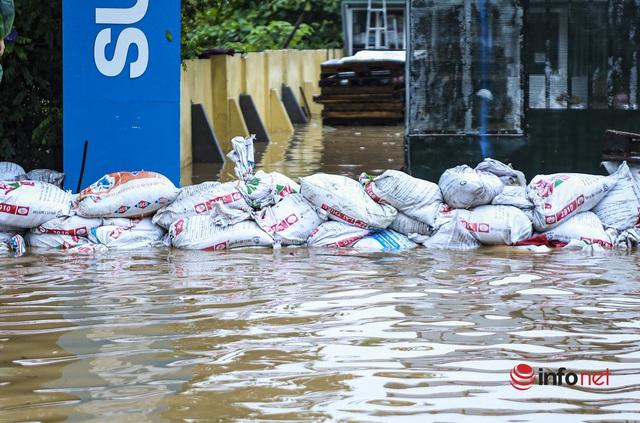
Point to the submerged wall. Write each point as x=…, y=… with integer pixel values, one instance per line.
x=218, y=82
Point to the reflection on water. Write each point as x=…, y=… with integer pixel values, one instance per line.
x=343, y=150
x=300, y=334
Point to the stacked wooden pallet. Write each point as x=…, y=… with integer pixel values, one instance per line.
x=362, y=92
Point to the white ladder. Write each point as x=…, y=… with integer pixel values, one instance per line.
x=379, y=30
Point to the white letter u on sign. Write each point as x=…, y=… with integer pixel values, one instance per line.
x=129, y=16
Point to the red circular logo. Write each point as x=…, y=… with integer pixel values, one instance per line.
x=522, y=377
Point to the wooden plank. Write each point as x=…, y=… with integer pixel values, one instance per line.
x=373, y=89
x=352, y=74
x=365, y=115
x=361, y=106
x=397, y=81
x=621, y=146
x=359, y=98
x=361, y=122
x=363, y=67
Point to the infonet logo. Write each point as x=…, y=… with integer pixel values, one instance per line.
x=522, y=377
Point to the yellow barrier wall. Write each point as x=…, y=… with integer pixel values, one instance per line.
x=218, y=82
x=186, y=153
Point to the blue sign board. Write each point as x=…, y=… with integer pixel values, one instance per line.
x=121, y=87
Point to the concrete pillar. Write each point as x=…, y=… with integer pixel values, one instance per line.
x=237, y=125
x=279, y=122
x=186, y=158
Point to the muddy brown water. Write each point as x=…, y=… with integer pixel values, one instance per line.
x=316, y=335
x=315, y=148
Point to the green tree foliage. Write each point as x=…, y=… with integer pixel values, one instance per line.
x=31, y=91
x=255, y=25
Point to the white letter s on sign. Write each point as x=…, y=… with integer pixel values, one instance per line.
x=115, y=66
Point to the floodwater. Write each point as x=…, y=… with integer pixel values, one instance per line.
x=317, y=335
x=316, y=148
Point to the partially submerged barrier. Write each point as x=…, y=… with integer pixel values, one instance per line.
x=490, y=204
x=218, y=82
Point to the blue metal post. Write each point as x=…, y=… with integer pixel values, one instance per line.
x=121, y=65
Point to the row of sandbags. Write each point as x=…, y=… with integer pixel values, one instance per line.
x=114, y=212
x=491, y=204
x=14, y=172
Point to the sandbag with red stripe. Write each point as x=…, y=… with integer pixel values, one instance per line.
x=585, y=226
x=222, y=201
x=201, y=233
x=560, y=196
x=27, y=204
x=415, y=198
x=333, y=234
x=345, y=200
x=291, y=221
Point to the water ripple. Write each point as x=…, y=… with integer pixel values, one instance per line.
x=309, y=335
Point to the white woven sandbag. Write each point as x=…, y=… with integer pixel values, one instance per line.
x=242, y=155
x=408, y=226
x=626, y=239
x=222, y=201
x=69, y=225
x=126, y=194
x=585, y=226
x=346, y=201
x=128, y=234
x=260, y=189
x=291, y=221
x=87, y=249
x=634, y=168
x=266, y=189
x=336, y=234
x=416, y=198
x=27, y=204
x=451, y=233
x=46, y=175
x=11, y=171
x=559, y=196
x=54, y=241
x=201, y=233
x=386, y=240
x=620, y=207
x=463, y=187
x=498, y=225
x=514, y=196
x=508, y=175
